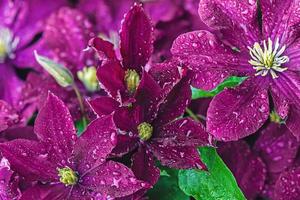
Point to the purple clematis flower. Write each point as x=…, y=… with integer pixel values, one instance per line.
x=149, y=124
x=247, y=167
x=268, y=56
x=120, y=79
x=20, y=22
x=71, y=167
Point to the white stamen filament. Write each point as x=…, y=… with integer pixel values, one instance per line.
x=268, y=59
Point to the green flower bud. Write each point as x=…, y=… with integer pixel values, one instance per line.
x=88, y=76
x=132, y=80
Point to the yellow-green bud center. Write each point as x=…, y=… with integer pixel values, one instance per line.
x=274, y=117
x=132, y=80
x=67, y=176
x=88, y=76
x=145, y=131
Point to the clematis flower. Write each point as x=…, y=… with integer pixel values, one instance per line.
x=149, y=125
x=120, y=79
x=20, y=22
x=266, y=54
x=247, y=167
x=70, y=167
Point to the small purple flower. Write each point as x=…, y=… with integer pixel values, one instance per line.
x=247, y=167
x=71, y=167
x=238, y=46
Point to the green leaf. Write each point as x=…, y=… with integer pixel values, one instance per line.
x=230, y=82
x=217, y=183
x=167, y=186
x=80, y=125
x=60, y=73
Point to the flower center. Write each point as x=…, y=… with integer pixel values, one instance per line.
x=88, y=76
x=145, y=131
x=7, y=44
x=132, y=80
x=268, y=59
x=67, y=176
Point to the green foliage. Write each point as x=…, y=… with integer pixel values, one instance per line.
x=81, y=125
x=228, y=83
x=217, y=183
x=167, y=186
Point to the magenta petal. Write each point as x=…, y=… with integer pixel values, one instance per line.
x=149, y=97
x=293, y=121
x=281, y=20
x=104, y=49
x=175, y=103
x=127, y=119
x=66, y=34
x=54, y=127
x=202, y=52
x=177, y=156
x=25, y=132
x=183, y=132
x=166, y=74
x=29, y=158
x=125, y=144
x=8, y=116
x=111, y=76
x=9, y=184
x=95, y=143
x=45, y=192
x=277, y=146
x=248, y=168
x=280, y=102
x=103, y=106
x=236, y=20
x=143, y=166
x=239, y=112
x=287, y=186
x=113, y=179
x=10, y=85
x=136, y=38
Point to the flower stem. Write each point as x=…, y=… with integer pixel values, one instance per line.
x=191, y=114
x=80, y=101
